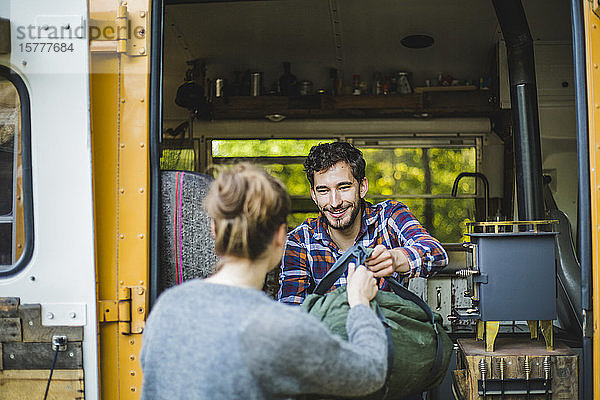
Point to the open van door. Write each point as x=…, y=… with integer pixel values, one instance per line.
x=121, y=36
x=47, y=262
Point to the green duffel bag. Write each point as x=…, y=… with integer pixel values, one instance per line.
x=421, y=348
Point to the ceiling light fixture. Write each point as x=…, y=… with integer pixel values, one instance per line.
x=417, y=41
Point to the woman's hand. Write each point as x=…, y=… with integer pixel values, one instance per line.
x=361, y=287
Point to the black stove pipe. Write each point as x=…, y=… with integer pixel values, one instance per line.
x=523, y=97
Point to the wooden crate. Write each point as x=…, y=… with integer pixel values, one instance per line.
x=31, y=384
x=564, y=365
x=26, y=355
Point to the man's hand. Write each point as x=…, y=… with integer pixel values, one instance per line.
x=361, y=286
x=384, y=262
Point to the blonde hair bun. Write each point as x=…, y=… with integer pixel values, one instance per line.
x=247, y=205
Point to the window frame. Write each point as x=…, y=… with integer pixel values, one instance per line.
x=25, y=115
x=419, y=141
x=304, y=204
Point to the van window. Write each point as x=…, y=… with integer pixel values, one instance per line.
x=179, y=156
x=12, y=215
x=282, y=158
x=422, y=178
x=418, y=175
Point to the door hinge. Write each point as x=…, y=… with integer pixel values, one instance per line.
x=126, y=34
x=129, y=310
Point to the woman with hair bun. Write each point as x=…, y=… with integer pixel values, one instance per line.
x=223, y=338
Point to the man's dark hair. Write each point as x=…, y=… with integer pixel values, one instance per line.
x=324, y=155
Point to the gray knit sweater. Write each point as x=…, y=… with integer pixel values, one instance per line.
x=210, y=341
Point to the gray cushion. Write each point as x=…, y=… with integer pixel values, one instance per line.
x=187, y=247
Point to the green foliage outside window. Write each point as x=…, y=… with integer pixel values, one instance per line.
x=395, y=173
x=292, y=174
x=264, y=147
x=179, y=160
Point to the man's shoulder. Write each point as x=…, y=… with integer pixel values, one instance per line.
x=388, y=207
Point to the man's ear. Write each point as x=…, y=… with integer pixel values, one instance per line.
x=312, y=195
x=281, y=235
x=363, y=188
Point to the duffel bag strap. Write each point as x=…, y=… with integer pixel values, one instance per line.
x=358, y=251
x=408, y=295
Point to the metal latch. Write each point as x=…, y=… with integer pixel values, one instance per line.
x=126, y=34
x=129, y=310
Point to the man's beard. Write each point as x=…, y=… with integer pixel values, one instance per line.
x=336, y=224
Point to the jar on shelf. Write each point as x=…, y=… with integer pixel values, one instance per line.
x=377, y=84
x=287, y=81
x=305, y=88
x=403, y=84
x=356, y=84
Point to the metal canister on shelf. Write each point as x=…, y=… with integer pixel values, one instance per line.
x=403, y=84
x=219, y=87
x=256, y=84
x=377, y=84
x=356, y=84
x=305, y=88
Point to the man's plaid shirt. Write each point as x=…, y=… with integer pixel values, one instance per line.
x=310, y=251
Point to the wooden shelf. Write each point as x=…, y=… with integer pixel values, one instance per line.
x=407, y=102
x=465, y=88
x=462, y=102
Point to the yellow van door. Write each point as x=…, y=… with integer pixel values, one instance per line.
x=47, y=270
x=591, y=16
x=119, y=45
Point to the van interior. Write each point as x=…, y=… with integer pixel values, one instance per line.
x=455, y=113
x=421, y=88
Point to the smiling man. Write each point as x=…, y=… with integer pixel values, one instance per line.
x=338, y=186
